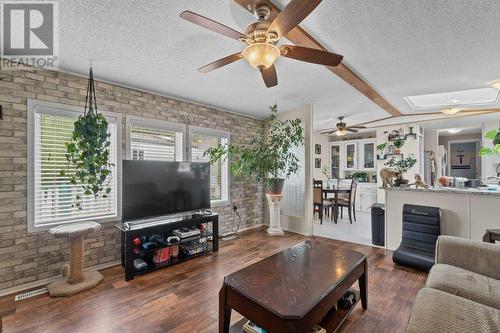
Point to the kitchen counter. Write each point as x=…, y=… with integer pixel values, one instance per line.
x=491, y=190
x=465, y=213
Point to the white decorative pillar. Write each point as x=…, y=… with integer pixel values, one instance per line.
x=274, y=211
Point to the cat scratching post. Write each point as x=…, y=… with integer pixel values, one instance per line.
x=77, y=279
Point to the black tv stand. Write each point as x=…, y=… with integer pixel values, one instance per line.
x=165, y=226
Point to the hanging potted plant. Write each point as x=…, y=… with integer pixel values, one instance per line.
x=269, y=160
x=398, y=143
x=88, y=152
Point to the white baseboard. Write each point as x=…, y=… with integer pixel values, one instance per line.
x=44, y=282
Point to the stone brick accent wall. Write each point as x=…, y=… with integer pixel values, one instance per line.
x=29, y=257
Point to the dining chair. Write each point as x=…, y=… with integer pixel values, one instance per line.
x=349, y=202
x=318, y=201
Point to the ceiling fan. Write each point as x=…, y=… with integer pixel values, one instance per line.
x=261, y=39
x=342, y=128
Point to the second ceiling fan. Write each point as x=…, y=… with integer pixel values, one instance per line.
x=341, y=128
x=261, y=39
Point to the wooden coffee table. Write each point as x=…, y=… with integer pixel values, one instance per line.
x=295, y=289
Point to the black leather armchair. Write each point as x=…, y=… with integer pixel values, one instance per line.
x=421, y=228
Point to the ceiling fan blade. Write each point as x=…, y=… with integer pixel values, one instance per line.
x=348, y=129
x=357, y=126
x=294, y=13
x=311, y=55
x=328, y=132
x=270, y=77
x=212, y=25
x=219, y=63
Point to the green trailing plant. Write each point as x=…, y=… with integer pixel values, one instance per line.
x=401, y=165
x=88, y=152
x=265, y=159
x=493, y=135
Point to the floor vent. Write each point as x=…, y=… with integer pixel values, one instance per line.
x=31, y=293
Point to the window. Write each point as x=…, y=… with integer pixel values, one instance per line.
x=51, y=196
x=201, y=140
x=154, y=140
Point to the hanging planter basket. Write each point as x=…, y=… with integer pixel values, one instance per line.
x=89, y=150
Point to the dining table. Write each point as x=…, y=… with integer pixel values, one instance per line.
x=335, y=191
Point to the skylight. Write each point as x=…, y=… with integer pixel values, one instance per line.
x=455, y=99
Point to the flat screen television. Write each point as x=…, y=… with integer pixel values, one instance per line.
x=156, y=188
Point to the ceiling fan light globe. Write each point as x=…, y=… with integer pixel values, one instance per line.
x=261, y=55
x=341, y=132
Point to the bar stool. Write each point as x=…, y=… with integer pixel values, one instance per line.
x=77, y=280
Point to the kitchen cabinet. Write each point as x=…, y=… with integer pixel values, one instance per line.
x=335, y=157
x=351, y=155
x=367, y=154
x=366, y=196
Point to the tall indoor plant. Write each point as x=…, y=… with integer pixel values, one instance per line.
x=88, y=152
x=267, y=159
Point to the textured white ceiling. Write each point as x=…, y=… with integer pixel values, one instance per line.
x=401, y=47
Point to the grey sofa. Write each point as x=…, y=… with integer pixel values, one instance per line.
x=462, y=292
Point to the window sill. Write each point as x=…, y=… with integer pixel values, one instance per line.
x=219, y=203
x=45, y=227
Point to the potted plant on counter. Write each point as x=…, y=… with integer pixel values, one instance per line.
x=269, y=160
x=402, y=166
x=381, y=150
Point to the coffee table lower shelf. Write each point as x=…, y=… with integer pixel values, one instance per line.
x=331, y=323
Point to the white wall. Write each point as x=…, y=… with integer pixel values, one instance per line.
x=322, y=140
x=488, y=163
x=411, y=147
x=431, y=140
x=301, y=224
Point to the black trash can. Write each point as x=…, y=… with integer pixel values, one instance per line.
x=378, y=224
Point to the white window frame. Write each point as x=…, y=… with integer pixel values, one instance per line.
x=62, y=110
x=159, y=125
x=226, y=179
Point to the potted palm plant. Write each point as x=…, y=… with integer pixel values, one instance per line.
x=269, y=160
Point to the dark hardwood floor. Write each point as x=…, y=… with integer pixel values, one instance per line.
x=184, y=298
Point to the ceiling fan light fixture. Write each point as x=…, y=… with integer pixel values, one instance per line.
x=450, y=110
x=261, y=55
x=341, y=132
x=496, y=84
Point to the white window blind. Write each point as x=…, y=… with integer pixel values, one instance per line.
x=154, y=143
x=219, y=175
x=53, y=195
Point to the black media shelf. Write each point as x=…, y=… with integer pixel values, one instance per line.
x=165, y=227
x=138, y=252
x=171, y=262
